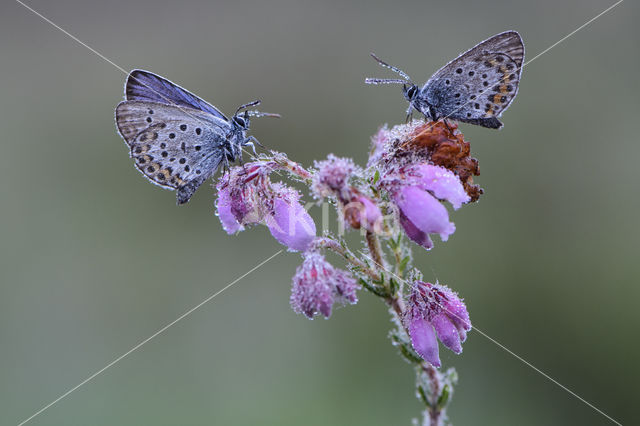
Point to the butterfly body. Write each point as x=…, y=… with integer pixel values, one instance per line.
x=474, y=88
x=177, y=139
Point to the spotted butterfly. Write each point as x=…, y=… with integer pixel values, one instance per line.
x=476, y=87
x=177, y=139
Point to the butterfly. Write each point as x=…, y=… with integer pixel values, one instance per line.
x=177, y=139
x=476, y=87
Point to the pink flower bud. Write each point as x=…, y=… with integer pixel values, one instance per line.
x=434, y=310
x=317, y=286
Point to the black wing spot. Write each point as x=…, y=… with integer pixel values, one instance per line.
x=459, y=70
x=183, y=127
x=484, y=76
x=457, y=95
x=182, y=160
x=172, y=135
x=512, y=76
x=150, y=111
x=186, y=168
x=487, y=64
x=198, y=172
x=164, y=154
x=160, y=176
x=138, y=150
x=198, y=147
x=477, y=105
x=151, y=169
x=149, y=119
x=509, y=88
x=447, y=82
x=487, y=107
x=172, y=159
x=198, y=130
x=485, y=83
x=472, y=97
x=471, y=73
x=163, y=145
x=503, y=99
x=468, y=114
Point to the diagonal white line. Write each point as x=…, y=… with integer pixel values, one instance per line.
x=572, y=33
x=163, y=329
x=551, y=379
x=277, y=253
x=73, y=37
x=112, y=63
x=518, y=357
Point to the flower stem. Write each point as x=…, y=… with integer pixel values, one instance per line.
x=328, y=243
x=375, y=250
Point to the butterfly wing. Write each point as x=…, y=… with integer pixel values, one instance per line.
x=145, y=86
x=174, y=147
x=479, y=85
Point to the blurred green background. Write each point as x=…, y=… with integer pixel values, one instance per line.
x=93, y=259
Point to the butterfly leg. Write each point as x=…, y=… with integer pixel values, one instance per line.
x=446, y=123
x=409, y=113
x=253, y=147
x=252, y=140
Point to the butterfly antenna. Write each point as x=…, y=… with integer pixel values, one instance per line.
x=250, y=104
x=254, y=113
x=392, y=68
x=385, y=81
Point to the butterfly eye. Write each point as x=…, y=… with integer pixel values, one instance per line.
x=410, y=92
x=239, y=121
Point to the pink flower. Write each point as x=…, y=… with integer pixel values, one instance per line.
x=224, y=212
x=317, y=286
x=417, y=191
x=434, y=310
x=332, y=180
x=248, y=197
x=442, y=183
x=332, y=177
x=423, y=213
x=362, y=212
x=290, y=223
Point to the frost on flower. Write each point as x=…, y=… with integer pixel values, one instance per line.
x=247, y=196
x=332, y=179
x=435, y=311
x=317, y=285
x=422, y=165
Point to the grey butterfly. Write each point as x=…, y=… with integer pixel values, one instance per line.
x=177, y=139
x=476, y=87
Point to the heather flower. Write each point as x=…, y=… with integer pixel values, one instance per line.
x=332, y=180
x=290, y=223
x=420, y=165
x=317, y=286
x=332, y=177
x=362, y=212
x=435, y=311
x=378, y=145
x=442, y=183
x=249, y=197
x=423, y=212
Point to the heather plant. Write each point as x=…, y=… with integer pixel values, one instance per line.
x=397, y=202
